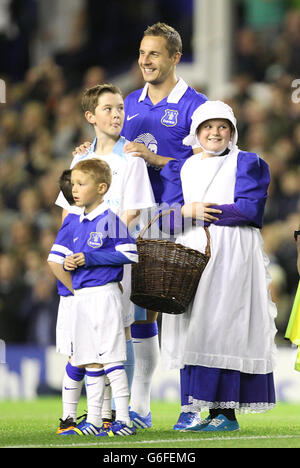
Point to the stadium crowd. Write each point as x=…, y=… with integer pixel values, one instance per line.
x=41, y=123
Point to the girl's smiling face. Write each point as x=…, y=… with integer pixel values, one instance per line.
x=214, y=135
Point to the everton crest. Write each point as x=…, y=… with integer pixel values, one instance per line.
x=95, y=240
x=169, y=118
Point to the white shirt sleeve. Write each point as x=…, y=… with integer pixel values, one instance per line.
x=61, y=201
x=137, y=190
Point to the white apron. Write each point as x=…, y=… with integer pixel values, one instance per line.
x=230, y=323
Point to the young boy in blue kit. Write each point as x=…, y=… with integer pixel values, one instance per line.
x=66, y=296
x=70, y=389
x=93, y=247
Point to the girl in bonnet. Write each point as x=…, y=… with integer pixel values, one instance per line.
x=224, y=343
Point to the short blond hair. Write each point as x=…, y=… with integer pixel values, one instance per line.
x=96, y=168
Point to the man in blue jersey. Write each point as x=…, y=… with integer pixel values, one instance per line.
x=158, y=116
x=157, y=119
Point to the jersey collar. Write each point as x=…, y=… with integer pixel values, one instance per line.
x=174, y=96
x=100, y=209
x=118, y=147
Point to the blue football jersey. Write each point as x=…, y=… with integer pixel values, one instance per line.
x=163, y=126
x=105, y=242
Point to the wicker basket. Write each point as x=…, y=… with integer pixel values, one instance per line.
x=167, y=274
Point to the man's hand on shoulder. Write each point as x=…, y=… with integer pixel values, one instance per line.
x=140, y=150
x=82, y=149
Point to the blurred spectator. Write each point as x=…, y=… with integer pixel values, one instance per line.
x=13, y=291
x=66, y=126
x=281, y=298
x=8, y=217
x=287, y=252
x=46, y=240
x=45, y=83
x=39, y=309
x=288, y=47
x=18, y=21
x=22, y=238
x=31, y=211
x=34, y=264
x=94, y=76
x=13, y=178
x=264, y=16
x=136, y=79
x=48, y=185
x=289, y=197
x=59, y=27
x=101, y=31
x=250, y=59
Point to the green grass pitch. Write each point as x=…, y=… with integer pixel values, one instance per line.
x=33, y=424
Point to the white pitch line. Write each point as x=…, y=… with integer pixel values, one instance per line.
x=155, y=441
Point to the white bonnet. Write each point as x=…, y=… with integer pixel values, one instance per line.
x=210, y=110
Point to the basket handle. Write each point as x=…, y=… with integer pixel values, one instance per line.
x=164, y=213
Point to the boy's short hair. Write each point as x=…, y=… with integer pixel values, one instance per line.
x=65, y=186
x=96, y=168
x=90, y=96
x=173, y=38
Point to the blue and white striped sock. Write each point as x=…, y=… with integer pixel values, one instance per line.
x=94, y=385
x=146, y=352
x=71, y=390
x=120, y=391
x=128, y=366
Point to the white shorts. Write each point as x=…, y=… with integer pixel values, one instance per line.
x=97, y=334
x=128, y=306
x=63, y=325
